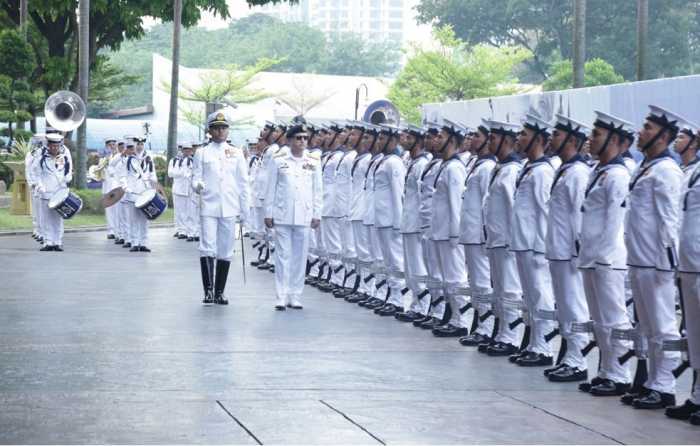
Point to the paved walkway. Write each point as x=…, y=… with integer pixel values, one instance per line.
x=98, y=345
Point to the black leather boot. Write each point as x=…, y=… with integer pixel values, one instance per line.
x=222, y=267
x=207, y=267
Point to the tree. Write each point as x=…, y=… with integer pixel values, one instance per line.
x=174, y=80
x=596, y=72
x=16, y=96
x=350, y=54
x=304, y=97
x=454, y=72
x=579, y=42
x=642, y=32
x=83, y=84
x=545, y=28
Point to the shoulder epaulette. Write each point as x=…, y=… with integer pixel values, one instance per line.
x=279, y=155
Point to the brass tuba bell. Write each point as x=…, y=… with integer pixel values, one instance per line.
x=65, y=111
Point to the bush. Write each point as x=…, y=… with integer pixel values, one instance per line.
x=92, y=200
x=6, y=175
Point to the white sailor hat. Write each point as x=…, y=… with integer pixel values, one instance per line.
x=536, y=124
x=571, y=126
x=414, y=130
x=121, y=142
x=483, y=127
x=687, y=127
x=130, y=143
x=664, y=118
x=109, y=140
x=389, y=129
x=502, y=128
x=610, y=122
x=432, y=127
x=55, y=138
x=217, y=118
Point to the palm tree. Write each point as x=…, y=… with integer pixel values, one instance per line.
x=83, y=82
x=175, y=79
x=579, y=42
x=642, y=31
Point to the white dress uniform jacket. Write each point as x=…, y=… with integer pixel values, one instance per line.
x=294, y=196
x=476, y=188
x=427, y=189
x=566, y=199
x=222, y=172
x=135, y=179
x=52, y=174
x=369, y=217
x=358, y=172
x=530, y=209
x=689, y=251
x=181, y=174
x=498, y=208
x=653, y=216
x=343, y=182
x=328, y=172
x=449, y=186
x=601, y=239
x=389, y=177
x=410, y=219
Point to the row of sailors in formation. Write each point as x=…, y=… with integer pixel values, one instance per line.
x=532, y=227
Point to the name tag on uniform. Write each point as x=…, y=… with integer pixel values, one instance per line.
x=308, y=166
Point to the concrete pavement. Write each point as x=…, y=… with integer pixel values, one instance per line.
x=99, y=345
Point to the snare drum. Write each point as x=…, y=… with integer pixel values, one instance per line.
x=66, y=203
x=151, y=203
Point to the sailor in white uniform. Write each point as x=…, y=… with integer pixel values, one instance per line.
x=53, y=171
x=686, y=145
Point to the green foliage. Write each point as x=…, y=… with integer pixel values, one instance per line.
x=295, y=47
x=546, y=29
x=596, y=72
x=92, y=201
x=454, y=72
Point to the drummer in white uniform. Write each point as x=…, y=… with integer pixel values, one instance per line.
x=52, y=172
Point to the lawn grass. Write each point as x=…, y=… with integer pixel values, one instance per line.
x=24, y=222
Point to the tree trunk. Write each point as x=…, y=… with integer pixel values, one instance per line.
x=642, y=32
x=23, y=14
x=579, y=44
x=174, y=80
x=83, y=79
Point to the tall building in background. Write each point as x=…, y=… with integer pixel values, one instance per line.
x=374, y=19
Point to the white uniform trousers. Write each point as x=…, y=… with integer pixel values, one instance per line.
x=479, y=272
x=349, y=253
x=654, y=299
x=315, y=253
x=192, y=222
x=605, y=294
x=416, y=272
x=112, y=220
x=258, y=222
x=41, y=210
x=567, y=285
x=392, y=252
x=332, y=239
x=533, y=270
x=291, y=244
x=36, y=209
x=53, y=225
x=454, y=275
x=435, y=282
x=506, y=287
x=364, y=256
x=218, y=237
x=378, y=266
x=138, y=228
x=181, y=209
x=690, y=284
x=126, y=219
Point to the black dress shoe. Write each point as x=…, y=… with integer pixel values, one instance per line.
x=176, y=235
x=355, y=298
x=220, y=299
x=110, y=237
x=374, y=304
x=695, y=418
x=474, y=340
x=196, y=239
x=654, y=400
x=484, y=347
x=420, y=320
x=134, y=249
x=119, y=241
x=144, y=249
x=515, y=356
x=280, y=308
x=58, y=248
x=628, y=398
x=683, y=412
x=501, y=349
x=450, y=331
x=407, y=316
x=546, y=372
x=46, y=248
x=387, y=310
x=264, y=266
x=431, y=323
x=126, y=245
x=610, y=388
x=255, y=263
x=182, y=236
x=190, y=239
x=533, y=359
x=208, y=298
x=586, y=387
x=568, y=374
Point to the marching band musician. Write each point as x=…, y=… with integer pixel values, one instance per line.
x=563, y=225
x=602, y=253
x=110, y=151
x=528, y=233
x=116, y=170
x=220, y=176
x=37, y=150
x=136, y=182
x=472, y=234
x=53, y=170
x=651, y=237
x=179, y=194
x=292, y=206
